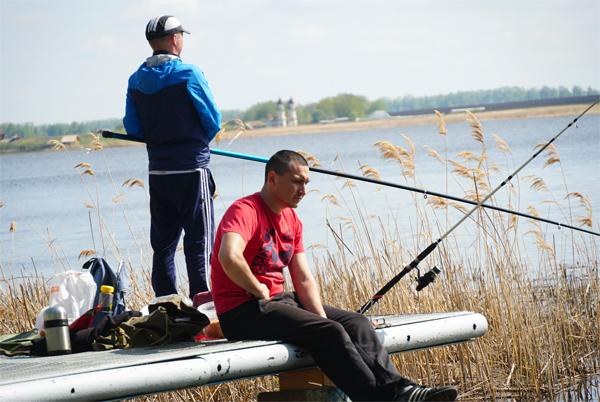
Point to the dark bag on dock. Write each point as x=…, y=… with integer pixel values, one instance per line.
x=170, y=320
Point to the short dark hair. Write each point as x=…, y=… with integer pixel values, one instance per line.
x=281, y=160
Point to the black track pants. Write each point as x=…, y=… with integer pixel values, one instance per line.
x=181, y=202
x=344, y=345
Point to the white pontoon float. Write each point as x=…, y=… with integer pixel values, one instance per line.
x=125, y=373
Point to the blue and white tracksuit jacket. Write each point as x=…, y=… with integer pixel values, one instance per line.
x=170, y=106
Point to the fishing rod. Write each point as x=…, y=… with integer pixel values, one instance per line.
x=429, y=277
x=221, y=152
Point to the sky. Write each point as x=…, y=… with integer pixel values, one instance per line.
x=69, y=60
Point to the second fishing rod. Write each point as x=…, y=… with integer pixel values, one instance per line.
x=426, y=279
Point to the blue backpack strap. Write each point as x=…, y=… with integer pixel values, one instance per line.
x=123, y=287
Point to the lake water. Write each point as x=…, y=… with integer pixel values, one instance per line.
x=46, y=196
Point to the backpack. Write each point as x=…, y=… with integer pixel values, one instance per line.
x=103, y=274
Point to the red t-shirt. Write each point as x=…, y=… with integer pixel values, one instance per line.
x=271, y=241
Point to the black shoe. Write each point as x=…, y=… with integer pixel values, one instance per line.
x=417, y=393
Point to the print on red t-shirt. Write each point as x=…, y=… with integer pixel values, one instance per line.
x=268, y=257
x=271, y=242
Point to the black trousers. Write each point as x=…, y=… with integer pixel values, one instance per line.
x=181, y=202
x=344, y=345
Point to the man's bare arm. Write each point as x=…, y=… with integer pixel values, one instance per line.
x=305, y=285
x=231, y=257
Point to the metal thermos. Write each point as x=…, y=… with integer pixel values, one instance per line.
x=56, y=327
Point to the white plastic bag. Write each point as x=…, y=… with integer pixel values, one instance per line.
x=74, y=291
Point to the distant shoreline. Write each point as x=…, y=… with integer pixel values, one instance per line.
x=35, y=144
x=404, y=121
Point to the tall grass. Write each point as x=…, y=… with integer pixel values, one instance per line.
x=543, y=317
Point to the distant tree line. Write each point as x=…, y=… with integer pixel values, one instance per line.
x=51, y=130
x=481, y=97
x=342, y=105
x=354, y=106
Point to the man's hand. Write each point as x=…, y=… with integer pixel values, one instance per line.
x=262, y=292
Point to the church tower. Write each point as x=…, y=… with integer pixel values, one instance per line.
x=281, y=119
x=292, y=118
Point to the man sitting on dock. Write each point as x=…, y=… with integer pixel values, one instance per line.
x=257, y=238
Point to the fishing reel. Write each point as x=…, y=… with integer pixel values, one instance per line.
x=424, y=280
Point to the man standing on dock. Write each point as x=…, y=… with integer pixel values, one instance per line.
x=257, y=238
x=170, y=106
